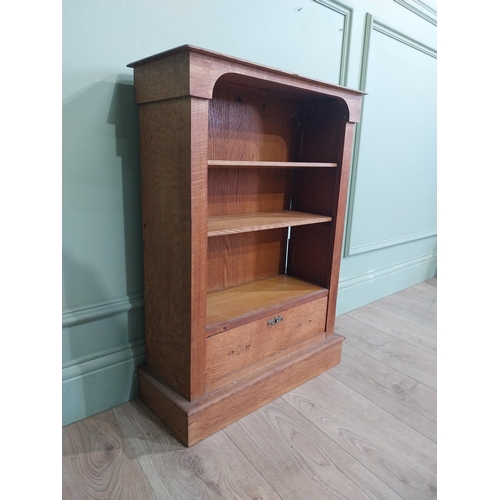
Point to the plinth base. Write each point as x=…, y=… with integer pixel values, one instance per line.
x=192, y=421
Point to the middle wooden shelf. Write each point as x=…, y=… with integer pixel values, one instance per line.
x=259, y=221
x=268, y=164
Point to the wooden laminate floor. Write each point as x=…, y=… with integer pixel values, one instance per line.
x=364, y=429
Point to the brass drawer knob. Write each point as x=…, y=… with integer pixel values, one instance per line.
x=275, y=320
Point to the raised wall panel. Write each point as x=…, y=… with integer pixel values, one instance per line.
x=393, y=188
x=343, y=19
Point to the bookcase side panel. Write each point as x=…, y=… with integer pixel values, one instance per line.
x=166, y=209
x=162, y=79
x=199, y=146
x=341, y=189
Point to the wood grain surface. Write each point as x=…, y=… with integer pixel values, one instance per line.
x=412, y=305
x=204, y=68
x=268, y=164
x=193, y=421
x=240, y=347
x=235, y=306
x=236, y=259
x=410, y=401
x=299, y=461
x=408, y=330
x=390, y=350
x=260, y=221
x=239, y=190
x=363, y=429
x=246, y=126
x=96, y=464
x=214, y=469
x=173, y=162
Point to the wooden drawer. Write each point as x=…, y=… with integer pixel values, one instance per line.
x=240, y=347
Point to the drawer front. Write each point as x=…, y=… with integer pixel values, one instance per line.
x=238, y=348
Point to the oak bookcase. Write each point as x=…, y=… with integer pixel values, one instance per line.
x=244, y=173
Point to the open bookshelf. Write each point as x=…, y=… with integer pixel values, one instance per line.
x=244, y=181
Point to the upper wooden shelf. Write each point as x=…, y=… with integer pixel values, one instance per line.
x=268, y=164
x=260, y=221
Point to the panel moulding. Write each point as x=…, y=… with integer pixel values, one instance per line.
x=93, y=389
x=391, y=242
x=94, y=312
x=104, y=359
x=345, y=283
x=366, y=288
x=419, y=8
x=104, y=378
x=371, y=25
x=346, y=11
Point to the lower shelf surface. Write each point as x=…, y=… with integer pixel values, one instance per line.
x=236, y=306
x=192, y=421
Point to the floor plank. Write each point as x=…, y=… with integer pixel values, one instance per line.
x=397, y=454
x=398, y=326
x=407, y=305
x=431, y=282
x=211, y=469
x=95, y=465
x=299, y=461
x=423, y=289
x=405, y=398
x=396, y=353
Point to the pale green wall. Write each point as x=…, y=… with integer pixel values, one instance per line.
x=384, y=47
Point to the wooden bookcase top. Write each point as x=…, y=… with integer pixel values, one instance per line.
x=192, y=71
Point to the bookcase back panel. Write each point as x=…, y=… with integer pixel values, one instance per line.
x=321, y=130
x=240, y=258
x=310, y=253
x=247, y=125
x=313, y=190
x=237, y=191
